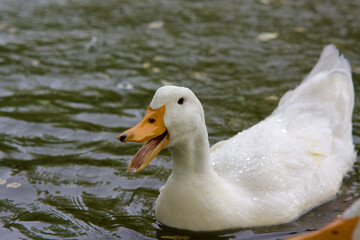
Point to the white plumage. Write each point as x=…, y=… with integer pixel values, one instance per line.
x=268, y=174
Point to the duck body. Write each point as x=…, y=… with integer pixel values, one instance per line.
x=268, y=174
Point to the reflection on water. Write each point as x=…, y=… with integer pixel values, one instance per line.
x=74, y=74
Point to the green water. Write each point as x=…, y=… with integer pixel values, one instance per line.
x=76, y=73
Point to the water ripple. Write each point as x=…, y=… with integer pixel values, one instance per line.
x=74, y=74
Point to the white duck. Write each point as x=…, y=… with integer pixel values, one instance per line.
x=268, y=174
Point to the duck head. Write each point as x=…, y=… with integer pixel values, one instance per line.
x=172, y=116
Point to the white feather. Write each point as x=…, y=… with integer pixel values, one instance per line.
x=268, y=174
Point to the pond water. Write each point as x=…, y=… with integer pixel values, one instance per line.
x=76, y=73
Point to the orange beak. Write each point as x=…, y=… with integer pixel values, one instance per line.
x=151, y=129
x=338, y=229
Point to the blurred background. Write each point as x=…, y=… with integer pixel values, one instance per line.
x=76, y=73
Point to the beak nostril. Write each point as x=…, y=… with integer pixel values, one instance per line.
x=122, y=137
x=151, y=120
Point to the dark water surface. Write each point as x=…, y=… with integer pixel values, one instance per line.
x=75, y=73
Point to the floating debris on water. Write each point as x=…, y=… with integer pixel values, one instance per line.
x=146, y=65
x=241, y=99
x=200, y=75
x=166, y=83
x=104, y=76
x=271, y=98
x=35, y=63
x=299, y=29
x=156, y=25
x=158, y=59
x=43, y=102
x=267, y=36
x=13, y=185
x=155, y=70
x=2, y=181
x=91, y=46
x=125, y=85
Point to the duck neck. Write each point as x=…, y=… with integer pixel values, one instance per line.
x=191, y=154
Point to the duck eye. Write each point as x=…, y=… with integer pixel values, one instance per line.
x=181, y=101
x=151, y=120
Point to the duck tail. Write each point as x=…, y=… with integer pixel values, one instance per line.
x=330, y=60
x=328, y=91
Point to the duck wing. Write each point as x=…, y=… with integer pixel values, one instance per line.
x=305, y=146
